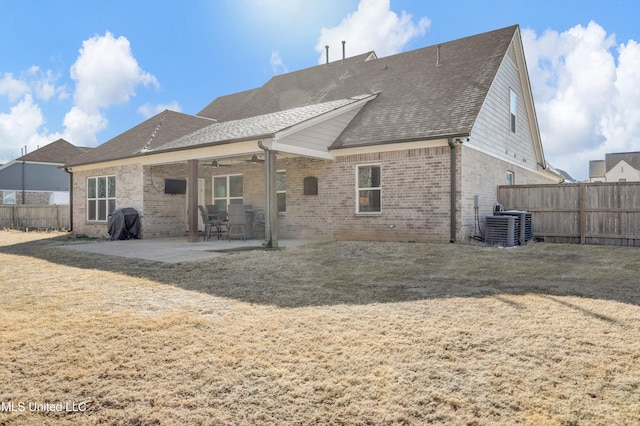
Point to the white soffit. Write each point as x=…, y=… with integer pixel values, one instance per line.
x=313, y=137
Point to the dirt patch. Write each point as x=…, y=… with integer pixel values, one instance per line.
x=331, y=333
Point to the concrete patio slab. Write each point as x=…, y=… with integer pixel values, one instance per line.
x=173, y=250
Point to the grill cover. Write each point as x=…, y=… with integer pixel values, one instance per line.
x=124, y=224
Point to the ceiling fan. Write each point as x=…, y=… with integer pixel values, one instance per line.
x=254, y=159
x=215, y=163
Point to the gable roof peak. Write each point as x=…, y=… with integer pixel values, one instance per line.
x=57, y=152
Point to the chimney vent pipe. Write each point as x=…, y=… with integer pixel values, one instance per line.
x=343, y=50
x=327, y=49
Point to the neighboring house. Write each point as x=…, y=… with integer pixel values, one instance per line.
x=566, y=176
x=616, y=167
x=405, y=147
x=37, y=177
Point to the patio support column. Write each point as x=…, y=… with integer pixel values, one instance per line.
x=271, y=210
x=273, y=199
x=192, y=201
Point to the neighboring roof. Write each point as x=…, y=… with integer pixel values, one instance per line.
x=158, y=130
x=261, y=126
x=59, y=152
x=418, y=98
x=631, y=158
x=597, y=169
x=567, y=177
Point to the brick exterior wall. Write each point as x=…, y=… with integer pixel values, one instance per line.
x=414, y=198
x=415, y=186
x=165, y=215
x=481, y=174
x=129, y=193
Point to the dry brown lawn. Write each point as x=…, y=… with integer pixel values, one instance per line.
x=329, y=333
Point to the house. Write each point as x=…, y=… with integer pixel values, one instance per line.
x=37, y=177
x=616, y=167
x=406, y=147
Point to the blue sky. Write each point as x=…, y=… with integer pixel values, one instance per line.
x=89, y=70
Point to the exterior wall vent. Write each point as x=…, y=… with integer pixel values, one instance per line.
x=310, y=185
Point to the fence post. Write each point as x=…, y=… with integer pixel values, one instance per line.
x=583, y=216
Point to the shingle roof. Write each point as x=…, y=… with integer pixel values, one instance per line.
x=631, y=158
x=261, y=126
x=58, y=152
x=158, y=130
x=597, y=169
x=418, y=99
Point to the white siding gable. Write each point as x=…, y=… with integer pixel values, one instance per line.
x=492, y=133
x=624, y=172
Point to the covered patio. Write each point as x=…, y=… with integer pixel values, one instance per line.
x=305, y=132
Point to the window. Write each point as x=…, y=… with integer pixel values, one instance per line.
x=368, y=189
x=513, y=108
x=281, y=189
x=101, y=197
x=227, y=190
x=9, y=197
x=511, y=178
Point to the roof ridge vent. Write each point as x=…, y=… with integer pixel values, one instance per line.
x=147, y=146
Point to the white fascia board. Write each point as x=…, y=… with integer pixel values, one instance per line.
x=388, y=147
x=545, y=171
x=528, y=99
x=292, y=149
x=226, y=150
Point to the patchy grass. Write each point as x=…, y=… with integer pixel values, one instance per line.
x=331, y=333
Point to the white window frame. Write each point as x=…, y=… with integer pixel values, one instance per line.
x=9, y=197
x=513, y=111
x=282, y=191
x=511, y=178
x=372, y=188
x=228, y=196
x=108, y=200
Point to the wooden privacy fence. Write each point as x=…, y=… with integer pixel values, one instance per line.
x=585, y=213
x=37, y=217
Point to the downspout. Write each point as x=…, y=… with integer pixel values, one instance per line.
x=454, y=177
x=66, y=169
x=453, y=169
x=23, y=186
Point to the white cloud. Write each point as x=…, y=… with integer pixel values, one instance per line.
x=147, y=110
x=107, y=73
x=12, y=88
x=44, y=84
x=373, y=26
x=277, y=66
x=20, y=128
x=588, y=103
x=82, y=126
